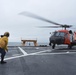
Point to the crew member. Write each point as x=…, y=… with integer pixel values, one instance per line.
x=71, y=36
x=3, y=46
x=75, y=36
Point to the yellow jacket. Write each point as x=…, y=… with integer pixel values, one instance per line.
x=4, y=42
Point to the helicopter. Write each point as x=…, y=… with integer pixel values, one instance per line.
x=58, y=37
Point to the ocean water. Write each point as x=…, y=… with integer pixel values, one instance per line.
x=27, y=44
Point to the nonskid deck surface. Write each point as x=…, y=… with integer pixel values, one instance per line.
x=39, y=61
x=26, y=51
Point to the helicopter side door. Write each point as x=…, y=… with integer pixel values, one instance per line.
x=67, y=39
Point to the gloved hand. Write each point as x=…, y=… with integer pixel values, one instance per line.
x=7, y=50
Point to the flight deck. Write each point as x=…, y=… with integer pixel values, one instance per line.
x=25, y=60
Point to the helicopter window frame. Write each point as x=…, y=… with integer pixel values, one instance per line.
x=61, y=34
x=57, y=34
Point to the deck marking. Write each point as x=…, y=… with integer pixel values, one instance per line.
x=15, y=57
x=67, y=52
x=53, y=53
x=25, y=53
x=38, y=53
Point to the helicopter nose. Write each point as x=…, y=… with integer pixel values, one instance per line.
x=57, y=40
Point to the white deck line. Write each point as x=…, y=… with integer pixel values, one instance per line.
x=61, y=53
x=38, y=53
x=15, y=57
x=25, y=53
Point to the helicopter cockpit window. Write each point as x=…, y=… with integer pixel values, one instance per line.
x=62, y=34
x=59, y=34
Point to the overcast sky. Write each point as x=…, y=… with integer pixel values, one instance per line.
x=19, y=26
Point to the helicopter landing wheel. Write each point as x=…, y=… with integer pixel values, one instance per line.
x=70, y=46
x=53, y=46
x=50, y=43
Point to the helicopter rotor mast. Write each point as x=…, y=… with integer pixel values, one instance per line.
x=46, y=20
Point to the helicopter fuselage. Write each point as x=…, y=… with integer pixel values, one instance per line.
x=60, y=37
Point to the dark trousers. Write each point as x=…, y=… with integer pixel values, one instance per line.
x=3, y=52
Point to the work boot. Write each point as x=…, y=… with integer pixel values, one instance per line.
x=3, y=62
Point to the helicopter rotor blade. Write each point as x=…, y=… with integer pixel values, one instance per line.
x=38, y=17
x=49, y=26
x=43, y=19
